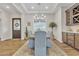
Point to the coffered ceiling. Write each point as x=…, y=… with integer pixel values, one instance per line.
x=24, y=8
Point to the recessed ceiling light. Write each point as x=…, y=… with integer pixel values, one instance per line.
x=32, y=7
x=46, y=7
x=7, y=7
x=42, y=15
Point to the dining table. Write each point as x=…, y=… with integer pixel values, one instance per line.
x=31, y=43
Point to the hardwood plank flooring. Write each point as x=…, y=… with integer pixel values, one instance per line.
x=53, y=51
x=9, y=47
x=67, y=49
x=57, y=49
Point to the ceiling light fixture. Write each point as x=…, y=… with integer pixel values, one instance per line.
x=7, y=7
x=40, y=15
x=46, y=7
x=32, y=7
x=44, y=16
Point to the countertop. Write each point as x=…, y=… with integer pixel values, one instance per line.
x=71, y=31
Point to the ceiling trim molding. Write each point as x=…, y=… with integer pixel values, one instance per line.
x=17, y=8
x=27, y=11
x=56, y=7
x=24, y=8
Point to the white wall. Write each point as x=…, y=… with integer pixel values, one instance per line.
x=4, y=28
x=0, y=26
x=58, y=30
x=6, y=25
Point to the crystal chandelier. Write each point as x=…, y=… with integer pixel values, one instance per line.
x=39, y=15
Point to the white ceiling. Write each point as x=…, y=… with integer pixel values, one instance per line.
x=8, y=7
x=31, y=7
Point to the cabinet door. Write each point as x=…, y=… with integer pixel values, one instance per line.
x=64, y=37
x=77, y=41
x=70, y=39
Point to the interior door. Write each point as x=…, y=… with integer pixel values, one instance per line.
x=16, y=27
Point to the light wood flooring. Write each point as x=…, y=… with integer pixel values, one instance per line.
x=26, y=51
x=20, y=48
x=67, y=49
x=9, y=47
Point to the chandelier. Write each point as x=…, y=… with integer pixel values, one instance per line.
x=39, y=15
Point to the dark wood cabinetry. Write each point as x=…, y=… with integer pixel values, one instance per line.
x=76, y=10
x=76, y=15
x=72, y=39
x=77, y=41
x=64, y=37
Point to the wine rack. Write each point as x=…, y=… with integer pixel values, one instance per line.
x=76, y=15
x=72, y=15
x=76, y=19
x=76, y=10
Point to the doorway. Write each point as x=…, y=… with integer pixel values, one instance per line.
x=16, y=28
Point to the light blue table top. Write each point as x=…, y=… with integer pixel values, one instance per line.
x=31, y=43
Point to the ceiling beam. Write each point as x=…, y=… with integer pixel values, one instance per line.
x=17, y=7
x=55, y=7
x=25, y=9
x=29, y=12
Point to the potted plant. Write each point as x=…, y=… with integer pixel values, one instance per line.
x=52, y=25
x=26, y=32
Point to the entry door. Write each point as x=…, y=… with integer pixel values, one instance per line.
x=16, y=27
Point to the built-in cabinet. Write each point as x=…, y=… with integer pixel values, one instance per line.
x=77, y=41
x=71, y=39
x=72, y=18
x=64, y=35
x=72, y=15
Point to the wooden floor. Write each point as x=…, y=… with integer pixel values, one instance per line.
x=67, y=49
x=9, y=47
x=26, y=51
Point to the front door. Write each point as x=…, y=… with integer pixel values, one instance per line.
x=16, y=27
